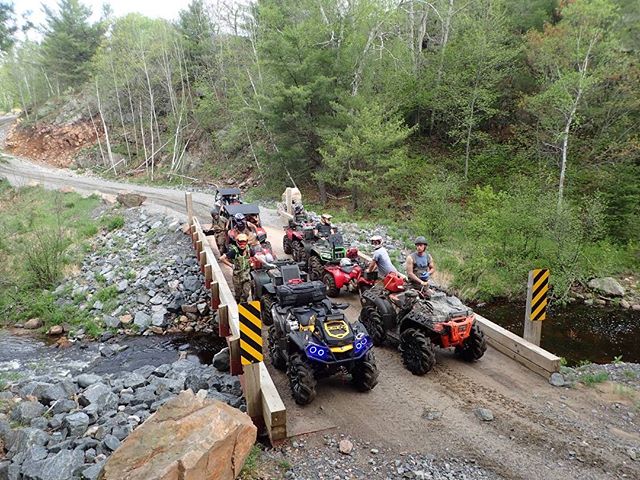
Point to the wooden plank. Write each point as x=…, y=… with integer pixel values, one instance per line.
x=252, y=389
x=215, y=295
x=532, y=353
x=274, y=411
x=534, y=367
x=188, y=198
x=234, y=354
x=208, y=275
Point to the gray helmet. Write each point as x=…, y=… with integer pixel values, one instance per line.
x=215, y=211
x=238, y=217
x=421, y=241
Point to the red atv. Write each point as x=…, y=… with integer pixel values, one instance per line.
x=348, y=272
x=294, y=234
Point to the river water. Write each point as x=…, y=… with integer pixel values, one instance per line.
x=577, y=332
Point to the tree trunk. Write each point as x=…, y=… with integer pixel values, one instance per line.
x=468, y=141
x=446, y=28
x=322, y=189
x=106, y=131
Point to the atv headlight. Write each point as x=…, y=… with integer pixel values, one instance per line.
x=317, y=352
x=362, y=344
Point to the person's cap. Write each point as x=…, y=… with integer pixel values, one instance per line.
x=326, y=215
x=242, y=238
x=376, y=238
x=421, y=241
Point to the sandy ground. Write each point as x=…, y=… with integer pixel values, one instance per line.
x=539, y=431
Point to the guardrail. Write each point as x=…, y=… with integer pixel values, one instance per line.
x=264, y=404
x=517, y=348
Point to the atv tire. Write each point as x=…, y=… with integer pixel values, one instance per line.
x=330, y=283
x=275, y=354
x=315, y=268
x=297, y=250
x=286, y=245
x=365, y=373
x=266, y=302
x=418, y=352
x=474, y=346
x=372, y=320
x=301, y=379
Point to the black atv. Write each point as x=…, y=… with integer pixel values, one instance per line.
x=418, y=323
x=311, y=339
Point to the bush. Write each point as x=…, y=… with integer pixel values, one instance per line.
x=113, y=223
x=44, y=257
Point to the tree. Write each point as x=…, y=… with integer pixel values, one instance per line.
x=570, y=60
x=7, y=26
x=69, y=43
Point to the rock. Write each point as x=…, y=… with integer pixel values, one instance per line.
x=87, y=379
x=600, y=301
x=44, y=392
x=624, y=304
x=130, y=199
x=25, y=438
x=608, y=286
x=77, y=423
x=9, y=471
x=24, y=412
x=33, y=323
x=175, y=305
x=557, y=380
x=208, y=440
x=374, y=451
x=431, y=414
x=99, y=395
x=111, y=442
x=66, y=189
x=142, y=320
x=158, y=319
x=484, y=414
x=221, y=360
x=111, y=322
x=635, y=308
x=56, y=330
x=633, y=454
x=189, y=308
x=345, y=447
x=107, y=350
x=196, y=383
x=93, y=472
x=60, y=466
x=191, y=284
x=126, y=319
x=134, y=380
x=122, y=286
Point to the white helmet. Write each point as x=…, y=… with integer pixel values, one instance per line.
x=376, y=240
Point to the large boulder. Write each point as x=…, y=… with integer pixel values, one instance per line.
x=608, y=286
x=130, y=199
x=205, y=439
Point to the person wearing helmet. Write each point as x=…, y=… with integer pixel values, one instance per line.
x=239, y=224
x=219, y=229
x=419, y=264
x=238, y=258
x=324, y=228
x=299, y=213
x=380, y=258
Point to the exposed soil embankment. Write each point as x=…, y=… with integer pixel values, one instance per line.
x=56, y=145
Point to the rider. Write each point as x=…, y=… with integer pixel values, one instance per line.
x=240, y=225
x=299, y=213
x=218, y=228
x=380, y=260
x=324, y=228
x=419, y=264
x=238, y=258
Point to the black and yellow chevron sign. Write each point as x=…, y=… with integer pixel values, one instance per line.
x=539, y=289
x=250, y=333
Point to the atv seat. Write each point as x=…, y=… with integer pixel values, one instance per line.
x=302, y=294
x=290, y=272
x=347, y=268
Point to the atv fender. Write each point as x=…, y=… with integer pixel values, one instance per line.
x=387, y=312
x=298, y=341
x=418, y=322
x=262, y=283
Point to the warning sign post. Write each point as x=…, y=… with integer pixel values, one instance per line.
x=537, y=301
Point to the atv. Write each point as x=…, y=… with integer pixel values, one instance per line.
x=311, y=339
x=318, y=251
x=294, y=235
x=418, y=322
x=226, y=196
x=348, y=273
x=264, y=282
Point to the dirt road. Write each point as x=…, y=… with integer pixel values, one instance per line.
x=538, y=431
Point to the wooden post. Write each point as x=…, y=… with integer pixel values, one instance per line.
x=198, y=249
x=203, y=261
x=234, y=355
x=189, y=201
x=215, y=296
x=287, y=193
x=252, y=390
x=223, y=319
x=208, y=275
x=535, y=312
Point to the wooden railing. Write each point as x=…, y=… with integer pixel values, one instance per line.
x=264, y=404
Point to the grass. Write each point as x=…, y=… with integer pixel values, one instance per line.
x=592, y=379
x=108, y=293
x=630, y=374
x=8, y=377
x=250, y=467
x=43, y=236
x=112, y=223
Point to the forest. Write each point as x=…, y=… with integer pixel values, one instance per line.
x=506, y=131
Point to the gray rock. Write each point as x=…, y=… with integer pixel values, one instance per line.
x=111, y=443
x=9, y=471
x=174, y=385
x=100, y=395
x=121, y=431
x=142, y=320
x=191, y=283
x=608, y=286
x=557, y=380
x=6, y=433
x=76, y=423
x=162, y=370
x=33, y=323
x=142, y=298
x=144, y=396
x=134, y=380
x=196, y=383
x=24, y=412
x=98, y=305
x=35, y=453
x=43, y=391
x=39, y=422
x=122, y=286
x=25, y=438
x=146, y=370
x=87, y=379
x=107, y=351
x=221, y=360
x=175, y=305
x=93, y=472
x=158, y=319
x=64, y=406
x=61, y=466
x=625, y=304
x=484, y=414
x=111, y=322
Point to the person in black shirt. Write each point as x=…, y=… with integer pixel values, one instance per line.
x=324, y=228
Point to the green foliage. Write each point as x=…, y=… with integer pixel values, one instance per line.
x=250, y=467
x=108, y=293
x=7, y=26
x=112, y=223
x=592, y=379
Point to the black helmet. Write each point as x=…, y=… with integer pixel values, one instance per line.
x=239, y=220
x=421, y=241
x=298, y=208
x=215, y=211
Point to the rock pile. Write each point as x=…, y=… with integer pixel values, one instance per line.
x=58, y=428
x=141, y=278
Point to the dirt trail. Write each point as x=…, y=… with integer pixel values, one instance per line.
x=539, y=431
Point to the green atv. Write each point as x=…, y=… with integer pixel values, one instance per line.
x=319, y=252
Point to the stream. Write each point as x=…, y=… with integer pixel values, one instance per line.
x=577, y=332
